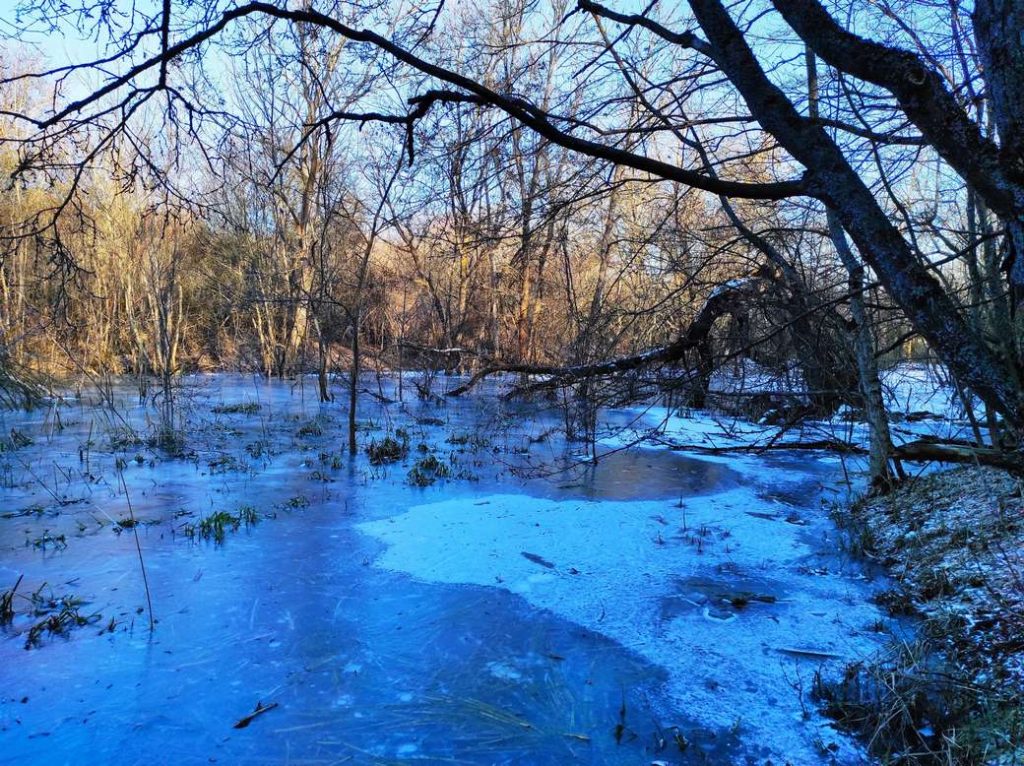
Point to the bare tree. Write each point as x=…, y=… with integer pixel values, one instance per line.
x=757, y=119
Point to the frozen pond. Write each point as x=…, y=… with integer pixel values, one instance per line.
x=522, y=608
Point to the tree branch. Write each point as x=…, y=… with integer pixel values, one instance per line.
x=685, y=39
x=832, y=180
x=724, y=299
x=518, y=108
x=922, y=95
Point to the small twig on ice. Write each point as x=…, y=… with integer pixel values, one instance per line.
x=259, y=710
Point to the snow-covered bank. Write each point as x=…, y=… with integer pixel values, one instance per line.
x=737, y=442
x=953, y=542
x=907, y=388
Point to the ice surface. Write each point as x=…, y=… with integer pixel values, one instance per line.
x=397, y=624
x=630, y=571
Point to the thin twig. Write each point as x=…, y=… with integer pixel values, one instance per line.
x=138, y=548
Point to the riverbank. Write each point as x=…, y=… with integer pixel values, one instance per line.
x=953, y=543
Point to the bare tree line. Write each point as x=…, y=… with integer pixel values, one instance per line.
x=551, y=187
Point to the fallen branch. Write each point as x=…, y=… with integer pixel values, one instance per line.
x=537, y=560
x=435, y=350
x=925, y=451
x=724, y=299
x=259, y=710
x=919, y=451
x=568, y=375
x=827, y=445
x=817, y=654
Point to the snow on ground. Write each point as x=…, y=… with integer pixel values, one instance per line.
x=708, y=431
x=908, y=388
x=748, y=377
x=922, y=387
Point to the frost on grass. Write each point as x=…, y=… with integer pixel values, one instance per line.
x=954, y=541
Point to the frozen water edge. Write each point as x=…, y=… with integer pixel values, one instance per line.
x=650, y=575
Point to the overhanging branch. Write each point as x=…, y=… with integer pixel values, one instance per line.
x=518, y=108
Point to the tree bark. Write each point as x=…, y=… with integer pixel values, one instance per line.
x=880, y=440
x=999, y=31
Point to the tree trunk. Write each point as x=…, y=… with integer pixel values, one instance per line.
x=831, y=179
x=353, y=385
x=880, y=440
x=999, y=31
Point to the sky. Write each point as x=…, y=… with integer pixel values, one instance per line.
x=59, y=49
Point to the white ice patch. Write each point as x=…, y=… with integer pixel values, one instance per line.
x=504, y=671
x=612, y=567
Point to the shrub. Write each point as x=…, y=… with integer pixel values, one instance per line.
x=387, y=450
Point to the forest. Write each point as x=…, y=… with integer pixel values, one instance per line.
x=682, y=337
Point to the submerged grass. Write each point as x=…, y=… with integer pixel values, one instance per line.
x=428, y=470
x=216, y=526
x=128, y=522
x=122, y=439
x=59, y=616
x=314, y=427
x=7, y=602
x=240, y=408
x=50, y=541
x=17, y=441
x=387, y=450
